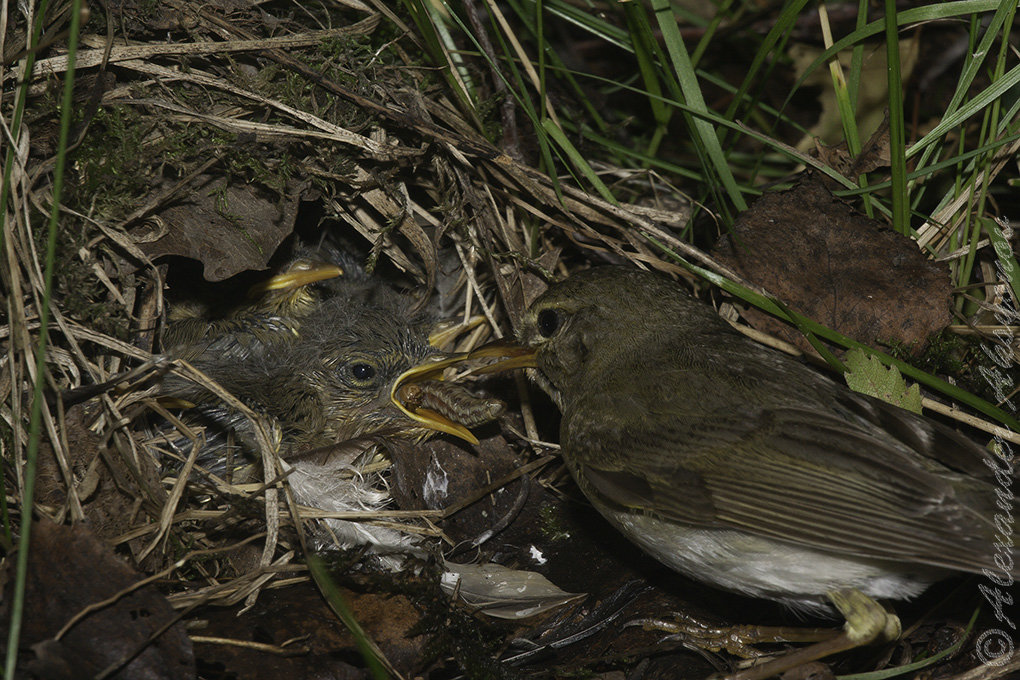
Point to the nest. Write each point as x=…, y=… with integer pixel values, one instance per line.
x=245, y=132
x=219, y=147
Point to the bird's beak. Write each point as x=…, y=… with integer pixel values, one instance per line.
x=446, y=331
x=296, y=278
x=427, y=417
x=514, y=356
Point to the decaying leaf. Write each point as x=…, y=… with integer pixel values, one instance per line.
x=504, y=593
x=108, y=487
x=228, y=227
x=839, y=267
x=874, y=153
x=306, y=637
x=69, y=570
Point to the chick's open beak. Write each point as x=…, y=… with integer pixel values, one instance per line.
x=431, y=419
x=408, y=389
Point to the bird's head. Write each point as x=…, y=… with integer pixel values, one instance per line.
x=597, y=318
x=361, y=371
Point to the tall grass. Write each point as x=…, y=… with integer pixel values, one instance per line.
x=726, y=151
x=7, y=198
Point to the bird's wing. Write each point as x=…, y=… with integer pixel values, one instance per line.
x=807, y=476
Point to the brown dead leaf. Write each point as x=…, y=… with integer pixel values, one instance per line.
x=111, y=490
x=311, y=641
x=874, y=154
x=83, y=449
x=442, y=472
x=846, y=271
x=229, y=227
x=70, y=569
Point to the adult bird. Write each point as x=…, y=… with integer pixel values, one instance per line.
x=744, y=468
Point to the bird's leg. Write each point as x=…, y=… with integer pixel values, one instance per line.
x=735, y=640
x=867, y=622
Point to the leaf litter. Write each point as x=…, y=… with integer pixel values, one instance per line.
x=249, y=131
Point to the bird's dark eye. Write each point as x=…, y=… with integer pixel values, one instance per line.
x=548, y=322
x=362, y=371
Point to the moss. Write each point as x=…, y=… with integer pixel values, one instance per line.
x=552, y=526
x=947, y=353
x=472, y=640
x=962, y=358
x=79, y=292
x=109, y=167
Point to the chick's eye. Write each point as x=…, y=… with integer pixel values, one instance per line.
x=362, y=371
x=548, y=322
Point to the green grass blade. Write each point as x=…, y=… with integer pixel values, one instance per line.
x=439, y=43
x=933, y=12
x=577, y=160
x=648, y=57
x=976, y=105
x=897, y=126
x=777, y=309
x=701, y=129
x=369, y=650
x=1006, y=261
x=35, y=417
x=972, y=67
x=844, y=102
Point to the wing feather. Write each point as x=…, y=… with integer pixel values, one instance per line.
x=815, y=478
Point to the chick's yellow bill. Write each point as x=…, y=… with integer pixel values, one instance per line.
x=430, y=370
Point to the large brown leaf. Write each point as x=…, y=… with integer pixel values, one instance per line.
x=229, y=227
x=839, y=267
x=70, y=569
